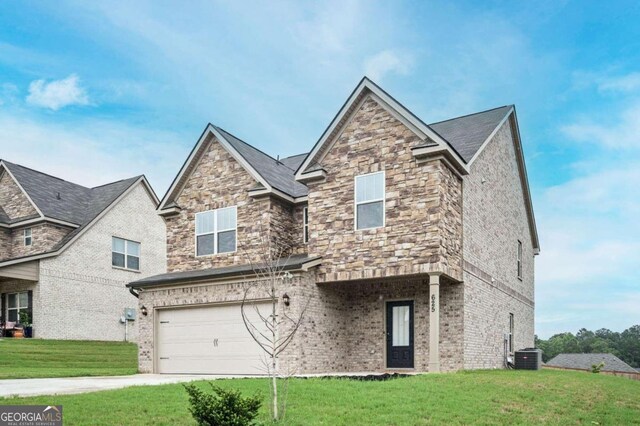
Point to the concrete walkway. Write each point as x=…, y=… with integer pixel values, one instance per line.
x=71, y=385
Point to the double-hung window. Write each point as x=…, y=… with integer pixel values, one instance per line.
x=125, y=254
x=26, y=234
x=16, y=303
x=369, y=200
x=305, y=225
x=519, y=259
x=216, y=231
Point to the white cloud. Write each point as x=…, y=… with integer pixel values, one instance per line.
x=58, y=93
x=93, y=152
x=625, y=133
x=385, y=62
x=624, y=83
x=590, y=246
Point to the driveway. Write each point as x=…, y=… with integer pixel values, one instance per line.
x=70, y=385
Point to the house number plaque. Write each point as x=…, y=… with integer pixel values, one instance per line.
x=433, y=303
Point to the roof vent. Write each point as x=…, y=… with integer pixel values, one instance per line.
x=58, y=197
x=278, y=162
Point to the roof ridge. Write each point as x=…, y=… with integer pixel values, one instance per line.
x=296, y=155
x=117, y=181
x=469, y=115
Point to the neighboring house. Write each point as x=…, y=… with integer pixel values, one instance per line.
x=67, y=251
x=413, y=243
x=586, y=361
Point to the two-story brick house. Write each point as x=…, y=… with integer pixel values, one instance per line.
x=67, y=251
x=413, y=244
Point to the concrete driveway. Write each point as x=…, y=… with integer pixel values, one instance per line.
x=71, y=385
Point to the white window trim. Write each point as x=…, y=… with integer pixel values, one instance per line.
x=126, y=254
x=305, y=225
x=216, y=231
x=25, y=236
x=383, y=199
x=18, y=308
x=519, y=268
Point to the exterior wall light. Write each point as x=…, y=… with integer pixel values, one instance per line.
x=285, y=299
x=144, y=310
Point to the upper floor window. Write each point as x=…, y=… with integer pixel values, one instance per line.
x=519, y=259
x=216, y=231
x=27, y=236
x=369, y=200
x=125, y=254
x=305, y=225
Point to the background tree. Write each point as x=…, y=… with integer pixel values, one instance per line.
x=625, y=345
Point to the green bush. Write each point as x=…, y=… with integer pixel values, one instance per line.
x=223, y=407
x=595, y=368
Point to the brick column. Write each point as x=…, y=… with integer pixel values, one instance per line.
x=434, y=323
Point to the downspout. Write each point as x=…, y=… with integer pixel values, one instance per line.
x=133, y=291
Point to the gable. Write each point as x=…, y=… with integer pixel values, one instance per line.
x=371, y=135
x=13, y=201
x=216, y=178
x=431, y=140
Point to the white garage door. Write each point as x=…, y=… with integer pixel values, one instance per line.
x=208, y=340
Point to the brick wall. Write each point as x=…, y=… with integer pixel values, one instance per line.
x=12, y=200
x=423, y=209
x=494, y=220
x=344, y=325
x=83, y=295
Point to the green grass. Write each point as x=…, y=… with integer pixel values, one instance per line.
x=481, y=397
x=29, y=358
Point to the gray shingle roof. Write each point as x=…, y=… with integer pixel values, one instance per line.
x=585, y=361
x=76, y=204
x=278, y=175
x=292, y=262
x=467, y=133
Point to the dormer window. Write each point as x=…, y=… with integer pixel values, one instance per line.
x=216, y=231
x=26, y=234
x=369, y=200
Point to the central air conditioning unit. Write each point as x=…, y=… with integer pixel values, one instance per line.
x=528, y=359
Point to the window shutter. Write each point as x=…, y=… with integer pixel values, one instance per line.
x=2, y=305
x=30, y=308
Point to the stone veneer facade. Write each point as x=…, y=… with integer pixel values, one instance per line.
x=423, y=207
x=436, y=222
x=219, y=181
x=13, y=201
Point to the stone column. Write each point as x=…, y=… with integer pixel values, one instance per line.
x=434, y=323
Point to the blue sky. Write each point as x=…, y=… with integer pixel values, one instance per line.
x=97, y=91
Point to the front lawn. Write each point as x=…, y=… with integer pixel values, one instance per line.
x=481, y=397
x=29, y=358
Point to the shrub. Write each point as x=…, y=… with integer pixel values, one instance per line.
x=223, y=407
x=595, y=368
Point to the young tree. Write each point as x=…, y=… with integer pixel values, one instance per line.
x=274, y=330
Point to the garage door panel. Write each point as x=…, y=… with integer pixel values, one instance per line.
x=208, y=340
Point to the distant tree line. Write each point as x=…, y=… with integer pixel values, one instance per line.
x=625, y=345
